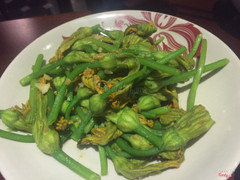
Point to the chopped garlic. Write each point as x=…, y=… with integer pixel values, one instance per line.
x=43, y=87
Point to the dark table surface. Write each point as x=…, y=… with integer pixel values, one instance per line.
x=15, y=35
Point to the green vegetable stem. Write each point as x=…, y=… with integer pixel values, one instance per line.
x=103, y=160
x=82, y=93
x=159, y=67
x=75, y=166
x=137, y=152
x=196, y=44
x=197, y=76
x=60, y=96
x=186, y=75
x=169, y=56
x=80, y=129
x=47, y=68
x=159, y=40
x=154, y=113
x=16, y=137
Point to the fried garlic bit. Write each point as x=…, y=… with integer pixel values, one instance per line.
x=43, y=84
x=24, y=109
x=62, y=124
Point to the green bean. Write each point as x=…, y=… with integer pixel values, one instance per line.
x=156, y=140
x=152, y=114
x=16, y=137
x=159, y=67
x=60, y=95
x=110, y=152
x=80, y=113
x=197, y=76
x=159, y=40
x=53, y=114
x=156, y=132
x=88, y=48
x=57, y=71
x=80, y=129
x=172, y=55
x=186, y=75
x=80, y=68
x=165, y=59
x=38, y=63
x=137, y=52
x=113, y=154
x=70, y=106
x=103, y=45
x=124, y=154
x=65, y=136
x=103, y=160
x=195, y=46
x=89, y=126
x=75, y=166
x=136, y=152
x=50, y=97
x=27, y=79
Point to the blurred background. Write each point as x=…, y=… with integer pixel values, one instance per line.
x=225, y=12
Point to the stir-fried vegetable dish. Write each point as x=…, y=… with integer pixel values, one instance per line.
x=115, y=91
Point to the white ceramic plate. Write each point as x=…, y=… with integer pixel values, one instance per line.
x=214, y=155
